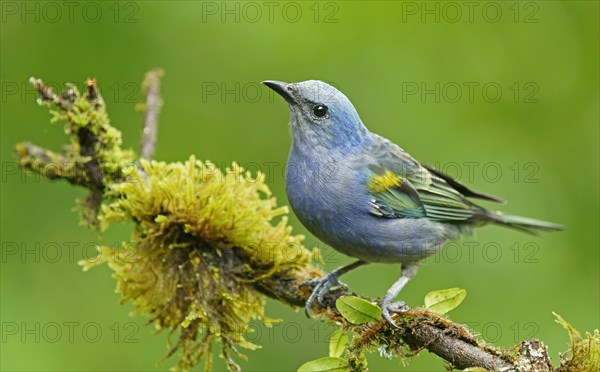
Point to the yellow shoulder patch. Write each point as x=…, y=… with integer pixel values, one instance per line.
x=384, y=182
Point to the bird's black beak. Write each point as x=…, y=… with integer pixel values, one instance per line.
x=283, y=89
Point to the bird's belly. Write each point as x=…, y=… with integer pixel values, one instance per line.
x=338, y=214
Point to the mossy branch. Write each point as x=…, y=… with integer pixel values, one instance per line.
x=206, y=251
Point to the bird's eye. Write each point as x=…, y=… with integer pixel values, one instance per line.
x=320, y=110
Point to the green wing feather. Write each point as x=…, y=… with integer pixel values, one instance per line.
x=402, y=187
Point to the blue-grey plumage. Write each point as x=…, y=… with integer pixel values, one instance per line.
x=366, y=197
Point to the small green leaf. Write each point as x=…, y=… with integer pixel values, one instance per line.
x=358, y=311
x=337, y=343
x=328, y=364
x=444, y=300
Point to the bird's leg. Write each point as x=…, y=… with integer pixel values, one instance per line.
x=408, y=272
x=322, y=285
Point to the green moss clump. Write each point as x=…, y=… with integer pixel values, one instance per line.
x=202, y=237
x=87, y=117
x=93, y=158
x=583, y=353
x=88, y=125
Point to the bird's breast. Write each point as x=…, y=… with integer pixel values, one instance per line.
x=326, y=194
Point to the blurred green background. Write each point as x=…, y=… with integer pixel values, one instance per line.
x=527, y=131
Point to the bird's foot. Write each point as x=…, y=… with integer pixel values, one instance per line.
x=397, y=307
x=320, y=288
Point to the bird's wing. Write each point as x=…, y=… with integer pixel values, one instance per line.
x=401, y=187
x=463, y=189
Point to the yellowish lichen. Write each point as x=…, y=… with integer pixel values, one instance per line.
x=94, y=157
x=583, y=353
x=183, y=268
x=88, y=114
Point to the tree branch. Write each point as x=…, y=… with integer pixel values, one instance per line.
x=50, y=164
x=419, y=329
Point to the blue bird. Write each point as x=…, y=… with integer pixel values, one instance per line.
x=366, y=197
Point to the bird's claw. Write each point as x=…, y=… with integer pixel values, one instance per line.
x=398, y=307
x=320, y=288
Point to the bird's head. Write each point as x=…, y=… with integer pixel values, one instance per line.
x=320, y=115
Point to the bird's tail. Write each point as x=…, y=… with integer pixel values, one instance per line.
x=526, y=224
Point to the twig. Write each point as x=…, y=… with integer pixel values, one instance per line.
x=459, y=353
x=64, y=101
x=151, y=87
x=51, y=164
